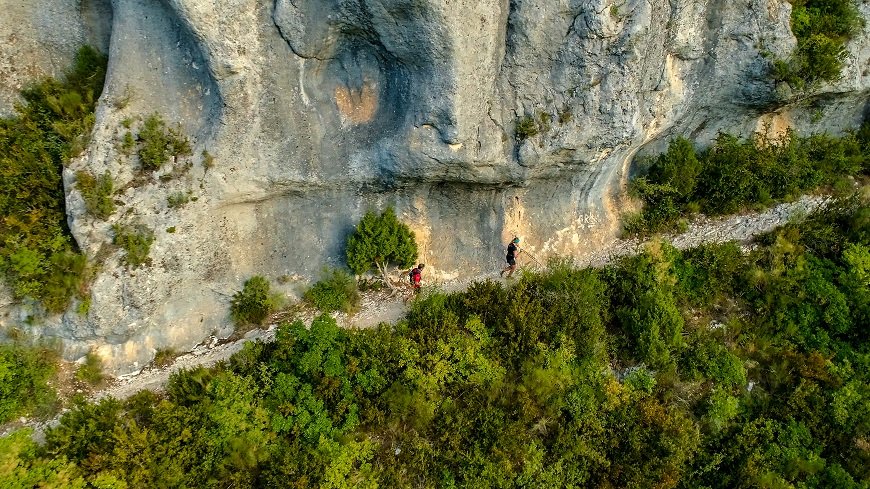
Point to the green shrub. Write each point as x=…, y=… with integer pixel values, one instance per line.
x=136, y=241
x=97, y=193
x=91, y=371
x=379, y=241
x=157, y=143
x=24, y=373
x=37, y=255
x=254, y=303
x=526, y=128
x=128, y=144
x=822, y=28
x=336, y=291
x=734, y=174
x=640, y=379
x=177, y=199
x=165, y=356
x=545, y=120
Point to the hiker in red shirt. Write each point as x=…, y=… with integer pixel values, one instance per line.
x=416, y=278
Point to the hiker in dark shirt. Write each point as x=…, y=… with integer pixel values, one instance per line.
x=512, y=252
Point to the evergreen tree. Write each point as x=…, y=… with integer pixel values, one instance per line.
x=379, y=241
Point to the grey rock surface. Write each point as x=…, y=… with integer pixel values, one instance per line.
x=39, y=38
x=319, y=110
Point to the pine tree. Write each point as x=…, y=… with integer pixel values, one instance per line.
x=379, y=241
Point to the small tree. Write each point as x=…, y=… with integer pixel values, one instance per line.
x=379, y=241
x=253, y=303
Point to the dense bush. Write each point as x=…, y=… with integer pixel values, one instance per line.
x=24, y=371
x=380, y=240
x=705, y=368
x=97, y=193
x=254, y=303
x=822, y=28
x=336, y=291
x=158, y=143
x=734, y=174
x=136, y=241
x=38, y=257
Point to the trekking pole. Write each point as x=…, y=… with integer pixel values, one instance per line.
x=533, y=258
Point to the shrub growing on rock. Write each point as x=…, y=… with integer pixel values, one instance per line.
x=378, y=241
x=157, y=143
x=136, y=241
x=38, y=258
x=254, y=303
x=97, y=193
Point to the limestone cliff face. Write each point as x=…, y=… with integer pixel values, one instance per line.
x=318, y=110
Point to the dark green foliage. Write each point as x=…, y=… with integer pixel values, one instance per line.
x=336, y=291
x=755, y=382
x=158, y=143
x=822, y=28
x=97, y=193
x=526, y=127
x=38, y=258
x=645, y=305
x=136, y=241
x=379, y=241
x=254, y=303
x=734, y=174
x=24, y=371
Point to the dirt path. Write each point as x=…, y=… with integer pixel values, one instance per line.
x=377, y=307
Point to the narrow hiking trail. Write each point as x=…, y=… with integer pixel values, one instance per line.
x=378, y=307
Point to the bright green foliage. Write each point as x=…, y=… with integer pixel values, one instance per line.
x=97, y=193
x=734, y=174
x=158, y=143
x=336, y=291
x=254, y=303
x=136, y=241
x=379, y=241
x=38, y=258
x=24, y=371
x=755, y=382
x=822, y=28
x=640, y=380
x=22, y=468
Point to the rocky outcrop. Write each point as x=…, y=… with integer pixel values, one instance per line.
x=316, y=111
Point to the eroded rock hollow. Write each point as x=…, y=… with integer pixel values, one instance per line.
x=316, y=111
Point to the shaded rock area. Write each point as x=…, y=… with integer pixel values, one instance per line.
x=316, y=111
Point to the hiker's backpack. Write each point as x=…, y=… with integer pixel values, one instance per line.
x=411, y=274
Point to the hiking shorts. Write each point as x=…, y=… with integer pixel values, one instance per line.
x=512, y=261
